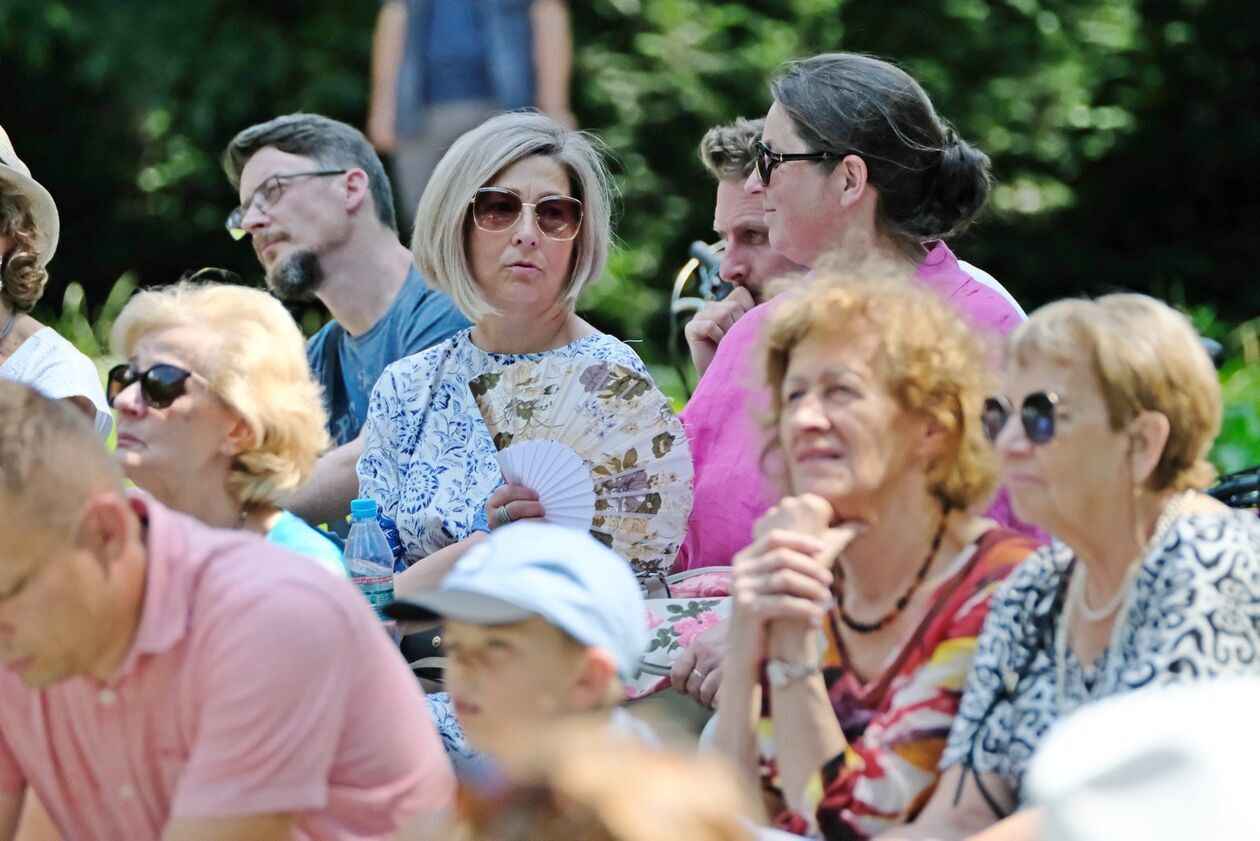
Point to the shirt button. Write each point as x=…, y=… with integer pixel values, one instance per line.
x=107, y=697
x=126, y=792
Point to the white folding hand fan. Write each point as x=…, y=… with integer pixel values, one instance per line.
x=602, y=448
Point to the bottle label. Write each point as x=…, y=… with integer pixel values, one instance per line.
x=379, y=590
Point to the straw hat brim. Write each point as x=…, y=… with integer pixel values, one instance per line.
x=43, y=211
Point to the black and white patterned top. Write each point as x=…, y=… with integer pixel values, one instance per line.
x=1193, y=612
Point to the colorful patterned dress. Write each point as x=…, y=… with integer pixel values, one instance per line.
x=896, y=725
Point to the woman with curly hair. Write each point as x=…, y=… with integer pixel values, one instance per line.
x=218, y=412
x=30, y=352
x=857, y=605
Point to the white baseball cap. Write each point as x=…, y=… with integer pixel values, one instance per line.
x=562, y=575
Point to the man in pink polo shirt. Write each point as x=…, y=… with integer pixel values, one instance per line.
x=162, y=679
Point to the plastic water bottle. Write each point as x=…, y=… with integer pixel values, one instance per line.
x=368, y=559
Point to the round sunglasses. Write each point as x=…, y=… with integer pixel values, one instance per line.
x=496, y=209
x=1036, y=414
x=160, y=386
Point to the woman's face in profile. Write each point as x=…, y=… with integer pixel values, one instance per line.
x=520, y=269
x=1074, y=476
x=163, y=449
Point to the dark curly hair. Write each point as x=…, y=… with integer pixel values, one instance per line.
x=21, y=270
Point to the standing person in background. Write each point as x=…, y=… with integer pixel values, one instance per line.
x=440, y=67
x=165, y=679
x=320, y=211
x=30, y=352
x=748, y=261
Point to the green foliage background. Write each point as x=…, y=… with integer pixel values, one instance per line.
x=1123, y=133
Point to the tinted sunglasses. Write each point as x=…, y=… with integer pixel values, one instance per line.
x=1036, y=413
x=496, y=209
x=766, y=160
x=160, y=386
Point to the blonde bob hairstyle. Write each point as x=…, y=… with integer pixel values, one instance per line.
x=932, y=364
x=440, y=243
x=256, y=362
x=1146, y=357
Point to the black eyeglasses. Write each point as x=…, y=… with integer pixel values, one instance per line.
x=1036, y=413
x=496, y=209
x=160, y=386
x=267, y=194
x=766, y=159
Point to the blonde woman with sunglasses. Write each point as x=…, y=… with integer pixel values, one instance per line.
x=218, y=412
x=513, y=226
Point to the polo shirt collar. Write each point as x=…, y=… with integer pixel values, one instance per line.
x=167, y=605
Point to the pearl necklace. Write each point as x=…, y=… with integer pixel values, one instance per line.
x=1076, y=595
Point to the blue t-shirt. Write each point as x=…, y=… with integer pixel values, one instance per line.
x=349, y=366
x=297, y=536
x=456, y=54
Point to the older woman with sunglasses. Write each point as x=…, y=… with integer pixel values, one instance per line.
x=218, y=413
x=1107, y=412
x=875, y=398
x=512, y=226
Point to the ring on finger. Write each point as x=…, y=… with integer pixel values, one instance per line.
x=698, y=675
x=502, y=516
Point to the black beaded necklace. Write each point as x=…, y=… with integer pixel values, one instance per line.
x=882, y=622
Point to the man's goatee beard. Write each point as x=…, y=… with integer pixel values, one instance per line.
x=297, y=277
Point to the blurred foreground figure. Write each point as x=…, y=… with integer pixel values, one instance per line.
x=163, y=679
x=581, y=783
x=1119, y=771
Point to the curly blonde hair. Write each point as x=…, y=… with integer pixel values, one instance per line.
x=257, y=365
x=1147, y=358
x=23, y=275
x=932, y=364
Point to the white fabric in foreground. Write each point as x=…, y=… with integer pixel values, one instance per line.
x=55, y=368
x=1154, y=765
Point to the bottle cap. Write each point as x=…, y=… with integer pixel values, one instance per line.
x=363, y=509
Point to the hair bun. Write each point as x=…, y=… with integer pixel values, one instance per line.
x=957, y=193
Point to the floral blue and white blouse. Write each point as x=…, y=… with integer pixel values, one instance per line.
x=428, y=459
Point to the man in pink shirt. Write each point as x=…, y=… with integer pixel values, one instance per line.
x=162, y=679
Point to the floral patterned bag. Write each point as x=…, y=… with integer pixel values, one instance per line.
x=680, y=608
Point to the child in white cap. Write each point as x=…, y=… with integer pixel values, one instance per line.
x=541, y=622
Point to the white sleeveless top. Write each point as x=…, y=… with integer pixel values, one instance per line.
x=55, y=368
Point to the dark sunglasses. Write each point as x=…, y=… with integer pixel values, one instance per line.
x=496, y=209
x=1036, y=413
x=160, y=386
x=766, y=160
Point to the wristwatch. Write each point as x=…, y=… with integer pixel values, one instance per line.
x=783, y=673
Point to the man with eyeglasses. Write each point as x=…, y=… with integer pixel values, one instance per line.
x=319, y=208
